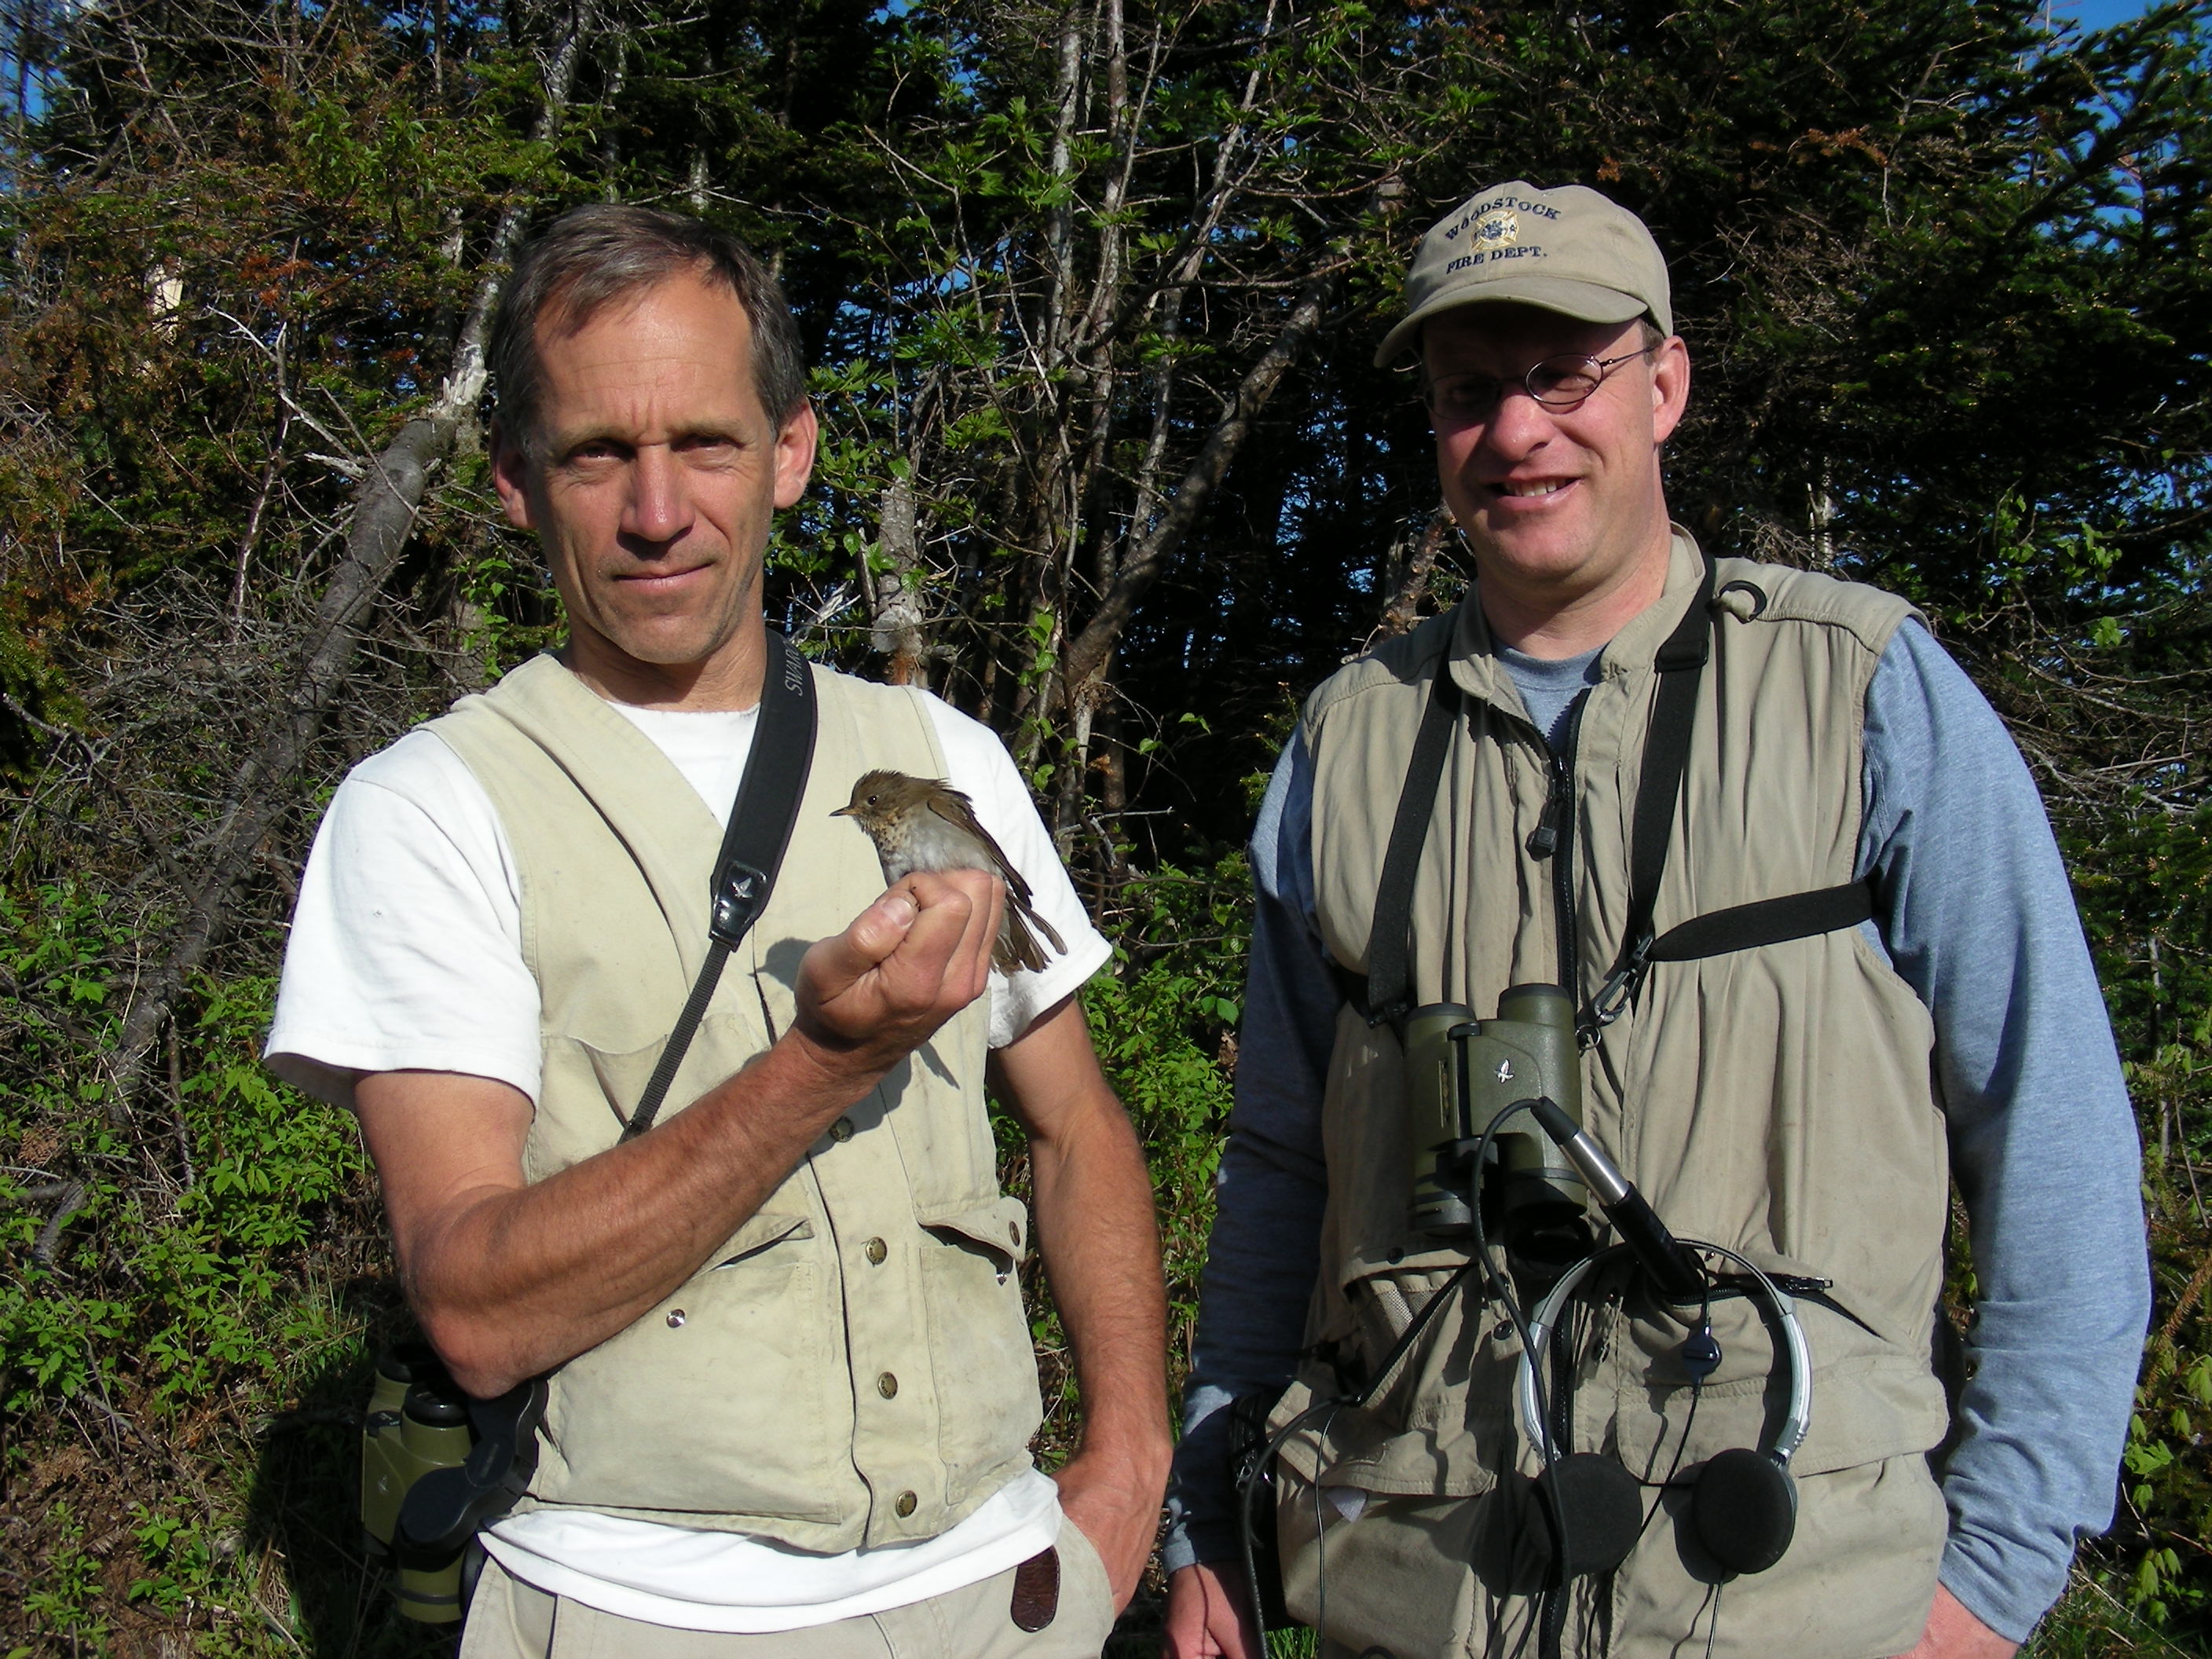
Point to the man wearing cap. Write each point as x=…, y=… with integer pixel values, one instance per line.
x=1910, y=1000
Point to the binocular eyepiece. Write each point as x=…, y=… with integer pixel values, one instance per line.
x=417, y=1421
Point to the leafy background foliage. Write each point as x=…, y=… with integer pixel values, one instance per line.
x=1091, y=286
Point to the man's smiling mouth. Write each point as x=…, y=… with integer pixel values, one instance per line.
x=1536, y=487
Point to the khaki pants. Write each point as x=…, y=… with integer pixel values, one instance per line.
x=510, y=1619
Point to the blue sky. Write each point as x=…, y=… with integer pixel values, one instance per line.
x=2099, y=13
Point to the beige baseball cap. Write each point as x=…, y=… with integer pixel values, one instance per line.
x=1568, y=250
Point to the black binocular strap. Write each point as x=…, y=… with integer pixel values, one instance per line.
x=446, y=1506
x=1680, y=665
x=753, y=846
x=1385, y=992
x=1766, y=921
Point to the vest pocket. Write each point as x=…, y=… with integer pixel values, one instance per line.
x=616, y=1069
x=758, y=1235
x=1440, y=1425
x=1873, y=1394
x=979, y=1345
x=712, y=1402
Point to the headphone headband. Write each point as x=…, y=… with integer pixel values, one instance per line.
x=1795, y=1421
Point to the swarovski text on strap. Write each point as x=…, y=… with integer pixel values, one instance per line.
x=752, y=848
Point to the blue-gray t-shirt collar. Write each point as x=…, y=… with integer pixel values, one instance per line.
x=1550, y=686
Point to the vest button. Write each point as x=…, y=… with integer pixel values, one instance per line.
x=875, y=1250
x=1014, y=1231
x=675, y=1318
x=905, y=1503
x=887, y=1386
x=841, y=1129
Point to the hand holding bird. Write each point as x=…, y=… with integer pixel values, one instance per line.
x=923, y=823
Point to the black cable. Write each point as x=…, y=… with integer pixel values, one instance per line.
x=1531, y=1606
x=1690, y=1422
x=1251, y=1563
x=1250, y=1484
x=1398, y=1349
x=1496, y=1624
x=1662, y=1487
x=1495, y=1283
x=1560, y=1427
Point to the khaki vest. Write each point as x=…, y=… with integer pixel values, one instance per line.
x=1779, y=1100
x=853, y=1368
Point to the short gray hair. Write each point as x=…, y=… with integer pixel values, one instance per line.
x=593, y=256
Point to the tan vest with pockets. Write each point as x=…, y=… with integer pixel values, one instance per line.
x=853, y=1368
x=1779, y=1100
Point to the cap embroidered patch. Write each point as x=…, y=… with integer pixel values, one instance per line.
x=1568, y=250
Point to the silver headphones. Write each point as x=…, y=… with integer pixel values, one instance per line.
x=1744, y=1504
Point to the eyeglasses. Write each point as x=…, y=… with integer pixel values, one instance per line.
x=1559, y=383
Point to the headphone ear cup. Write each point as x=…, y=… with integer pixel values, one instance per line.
x=1518, y=1541
x=1605, y=1512
x=1744, y=1508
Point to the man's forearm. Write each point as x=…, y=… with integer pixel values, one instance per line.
x=1102, y=1253
x=1979, y=921
x=1101, y=1243
x=1272, y=1187
x=511, y=1280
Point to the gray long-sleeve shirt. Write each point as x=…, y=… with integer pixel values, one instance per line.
x=1976, y=915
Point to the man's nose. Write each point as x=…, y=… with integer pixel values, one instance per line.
x=1518, y=424
x=659, y=506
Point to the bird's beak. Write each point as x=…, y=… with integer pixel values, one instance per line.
x=841, y=813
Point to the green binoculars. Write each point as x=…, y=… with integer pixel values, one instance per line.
x=417, y=1421
x=1461, y=1073
x=435, y=1465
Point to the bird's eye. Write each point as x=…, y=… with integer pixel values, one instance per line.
x=872, y=800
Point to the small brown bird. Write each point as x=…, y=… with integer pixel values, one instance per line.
x=924, y=823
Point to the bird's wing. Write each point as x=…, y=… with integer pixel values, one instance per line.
x=956, y=809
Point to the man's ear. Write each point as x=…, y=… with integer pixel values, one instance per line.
x=1670, y=386
x=794, y=455
x=510, y=475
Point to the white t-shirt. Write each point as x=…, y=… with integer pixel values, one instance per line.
x=406, y=953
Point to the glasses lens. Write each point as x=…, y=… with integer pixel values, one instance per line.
x=1562, y=382
x=1460, y=398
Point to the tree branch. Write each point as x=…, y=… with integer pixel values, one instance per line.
x=1087, y=654
x=386, y=504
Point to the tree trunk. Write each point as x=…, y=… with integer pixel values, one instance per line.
x=385, y=503
x=1406, y=583
x=895, y=591
x=1089, y=652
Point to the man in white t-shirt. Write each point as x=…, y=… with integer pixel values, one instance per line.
x=791, y=1378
